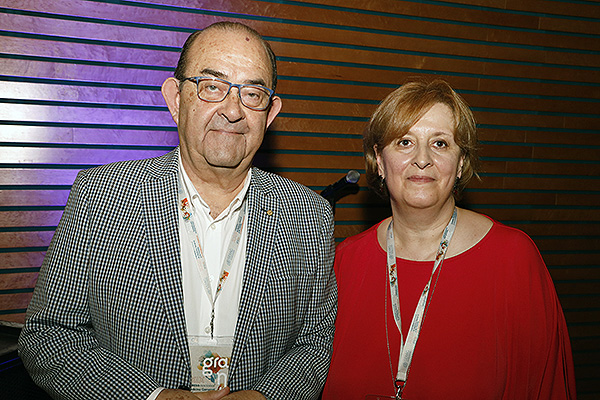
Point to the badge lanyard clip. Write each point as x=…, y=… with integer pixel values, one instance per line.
x=399, y=388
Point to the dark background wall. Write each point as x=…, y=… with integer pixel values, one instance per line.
x=80, y=86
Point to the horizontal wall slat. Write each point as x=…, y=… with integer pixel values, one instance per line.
x=18, y=177
x=517, y=135
x=570, y=228
x=17, y=280
x=77, y=135
x=555, y=7
x=78, y=115
x=93, y=53
x=570, y=258
x=83, y=94
x=569, y=26
x=24, y=239
x=67, y=69
x=545, y=167
x=578, y=288
x=19, y=197
x=25, y=259
x=591, y=244
x=468, y=10
x=593, y=272
x=535, y=183
x=73, y=156
x=32, y=218
x=582, y=316
x=16, y=300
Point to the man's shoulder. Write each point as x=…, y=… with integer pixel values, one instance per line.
x=284, y=188
x=134, y=170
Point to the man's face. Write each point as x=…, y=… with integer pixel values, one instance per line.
x=225, y=134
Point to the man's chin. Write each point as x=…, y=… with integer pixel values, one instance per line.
x=225, y=163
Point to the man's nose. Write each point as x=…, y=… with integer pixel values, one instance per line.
x=231, y=107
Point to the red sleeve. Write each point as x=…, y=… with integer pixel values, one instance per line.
x=542, y=362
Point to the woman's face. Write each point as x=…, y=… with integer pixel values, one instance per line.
x=421, y=167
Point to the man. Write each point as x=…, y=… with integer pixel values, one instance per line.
x=165, y=273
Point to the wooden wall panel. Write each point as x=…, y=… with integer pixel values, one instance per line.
x=80, y=86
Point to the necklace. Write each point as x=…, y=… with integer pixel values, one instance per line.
x=407, y=349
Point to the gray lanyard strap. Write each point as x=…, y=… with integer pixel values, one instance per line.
x=407, y=349
x=185, y=208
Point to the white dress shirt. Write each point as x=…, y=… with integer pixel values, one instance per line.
x=214, y=235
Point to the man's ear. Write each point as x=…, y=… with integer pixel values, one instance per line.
x=170, y=92
x=274, y=109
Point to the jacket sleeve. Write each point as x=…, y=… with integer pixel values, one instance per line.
x=301, y=372
x=58, y=344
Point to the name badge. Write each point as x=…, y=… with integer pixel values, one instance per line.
x=210, y=359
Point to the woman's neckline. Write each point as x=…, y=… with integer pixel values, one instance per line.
x=464, y=252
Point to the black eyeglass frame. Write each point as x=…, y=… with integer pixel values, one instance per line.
x=239, y=87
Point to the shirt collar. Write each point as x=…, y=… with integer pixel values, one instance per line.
x=191, y=192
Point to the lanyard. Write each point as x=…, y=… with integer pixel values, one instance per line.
x=185, y=207
x=407, y=348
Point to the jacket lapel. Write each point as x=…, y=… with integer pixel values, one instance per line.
x=263, y=216
x=159, y=206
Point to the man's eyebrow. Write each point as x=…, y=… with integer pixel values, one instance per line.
x=257, y=82
x=212, y=72
x=221, y=75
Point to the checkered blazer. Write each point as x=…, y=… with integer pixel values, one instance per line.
x=106, y=320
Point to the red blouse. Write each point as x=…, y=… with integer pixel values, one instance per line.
x=494, y=328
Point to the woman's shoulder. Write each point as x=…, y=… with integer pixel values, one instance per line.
x=480, y=230
x=486, y=231
x=505, y=233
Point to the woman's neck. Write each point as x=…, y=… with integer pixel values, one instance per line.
x=418, y=232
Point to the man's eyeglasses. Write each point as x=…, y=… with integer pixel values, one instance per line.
x=215, y=90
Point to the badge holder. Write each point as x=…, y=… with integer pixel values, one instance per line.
x=211, y=359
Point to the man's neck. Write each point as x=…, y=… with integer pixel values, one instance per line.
x=217, y=186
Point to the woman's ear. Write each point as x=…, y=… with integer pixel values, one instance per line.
x=460, y=167
x=380, y=169
x=170, y=92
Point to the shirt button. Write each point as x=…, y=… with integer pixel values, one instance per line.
x=207, y=329
x=213, y=227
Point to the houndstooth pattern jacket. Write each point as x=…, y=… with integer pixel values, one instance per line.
x=106, y=320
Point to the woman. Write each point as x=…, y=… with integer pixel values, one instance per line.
x=483, y=314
